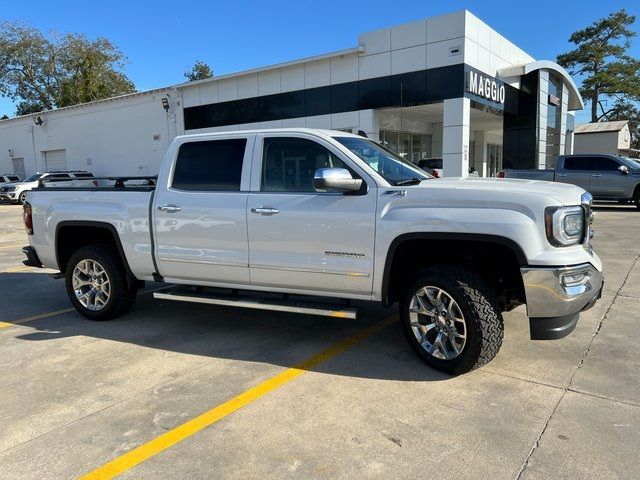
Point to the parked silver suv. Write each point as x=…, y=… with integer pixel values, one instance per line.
x=16, y=192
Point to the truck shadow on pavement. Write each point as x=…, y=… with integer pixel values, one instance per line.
x=275, y=338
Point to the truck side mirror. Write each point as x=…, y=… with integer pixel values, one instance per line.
x=623, y=169
x=335, y=180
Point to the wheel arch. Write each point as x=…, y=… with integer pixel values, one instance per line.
x=86, y=232
x=451, y=241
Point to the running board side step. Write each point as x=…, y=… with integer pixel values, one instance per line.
x=265, y=302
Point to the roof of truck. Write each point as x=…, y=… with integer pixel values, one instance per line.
x=313, y=131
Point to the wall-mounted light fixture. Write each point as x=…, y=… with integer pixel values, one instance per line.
x=38, y=120
x=165, y=103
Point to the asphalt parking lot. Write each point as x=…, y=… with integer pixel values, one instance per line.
x=176, y=390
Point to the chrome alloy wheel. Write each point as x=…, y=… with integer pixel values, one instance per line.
x=437, y=323
x=91, y=285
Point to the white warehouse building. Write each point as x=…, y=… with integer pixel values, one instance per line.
x=447, y=87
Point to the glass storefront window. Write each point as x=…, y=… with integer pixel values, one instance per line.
x=404, y=147
x=494, y=157
x=412, y=147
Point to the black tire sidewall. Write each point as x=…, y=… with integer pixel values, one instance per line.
x=22, y=198
x=121, y=295
x=473, y=346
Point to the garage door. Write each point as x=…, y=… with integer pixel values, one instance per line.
x=55, y=160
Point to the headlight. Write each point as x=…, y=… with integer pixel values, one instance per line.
x=564, y=225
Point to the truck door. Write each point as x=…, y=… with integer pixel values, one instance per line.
x=607, y=181
x=200, y=213
x=300, y=238
x=577, y=171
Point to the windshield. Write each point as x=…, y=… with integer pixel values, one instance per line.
x=631, y=163
x=390, y=166
x=33, y=178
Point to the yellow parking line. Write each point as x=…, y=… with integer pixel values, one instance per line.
x=147, y=450
x=11, y=323
x=35, y=317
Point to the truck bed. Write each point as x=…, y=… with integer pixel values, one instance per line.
x=125, y=210
x=548, y=175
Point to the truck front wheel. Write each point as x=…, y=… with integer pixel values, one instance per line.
x=97, y=283
x=451, y=319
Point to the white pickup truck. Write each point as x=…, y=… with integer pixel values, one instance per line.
x=305, y=221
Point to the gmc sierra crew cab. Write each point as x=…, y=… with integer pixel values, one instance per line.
x=605, y=177
x=306, y=221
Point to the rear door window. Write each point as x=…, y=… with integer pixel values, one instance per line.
x=210, y=166
x=578, y=163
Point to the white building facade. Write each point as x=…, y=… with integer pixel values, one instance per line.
x=447, y=88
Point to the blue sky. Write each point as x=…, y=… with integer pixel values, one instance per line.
x=163, y=39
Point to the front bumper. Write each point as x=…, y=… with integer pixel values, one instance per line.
x=555, y=297
x=8, y=196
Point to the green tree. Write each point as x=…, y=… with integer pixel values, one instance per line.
x=199, y=71
x=610, y=77
x=42, y=73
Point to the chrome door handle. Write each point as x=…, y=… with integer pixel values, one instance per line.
x=169, y=208
x=265, y=210
x=596, y=175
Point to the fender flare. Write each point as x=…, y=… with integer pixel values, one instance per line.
x=90, y=223
x=473, y=237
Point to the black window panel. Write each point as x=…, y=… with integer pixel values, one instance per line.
x=84, y=175
x=344, y=97
x=317, y=101
x=245, y=111
x=269, y=108
x=375, y=93
x=227, y=113
x=210, y=166
x=578, y=163
x=201, y=117
x=292, y=104
x=445, y=82
x=289, y=164
x=409, y=89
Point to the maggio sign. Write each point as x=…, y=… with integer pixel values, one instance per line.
x=485, y=87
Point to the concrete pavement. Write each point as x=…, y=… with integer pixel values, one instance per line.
x=76, y=394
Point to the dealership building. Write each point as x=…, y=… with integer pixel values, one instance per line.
x=447, y=87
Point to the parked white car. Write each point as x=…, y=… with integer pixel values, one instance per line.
x=16, y=191
x=327, y=214
x=8, y=178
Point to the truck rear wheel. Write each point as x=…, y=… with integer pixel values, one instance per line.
x=97, y=283
x=451, y=319
x=636, y=198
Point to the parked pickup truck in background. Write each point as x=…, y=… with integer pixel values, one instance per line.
x=606, y=177
x=299, y=220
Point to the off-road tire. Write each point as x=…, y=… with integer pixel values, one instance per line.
x=22, y=198
x=484, y=324
x=123, y=288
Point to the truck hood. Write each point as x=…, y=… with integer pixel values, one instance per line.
x=515, y=190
